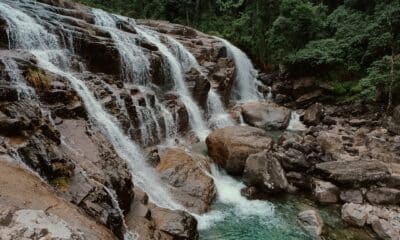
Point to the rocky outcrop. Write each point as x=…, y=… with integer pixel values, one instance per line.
x=384, y=222
x=312, y=222
x=35, y=224
x=264, y=172
x=185, y=172
x=231, y=146
x=266, y=116
x=43, y=209
x=354, y=172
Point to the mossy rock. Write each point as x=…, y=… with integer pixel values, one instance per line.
x=37, y=78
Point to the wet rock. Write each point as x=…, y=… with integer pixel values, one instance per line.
x=182, y=170
x=351, y=196
x=325, y=192
x=312, y=222
x=179, y=224
x=8, y=93
x=353, y=172
x=43, y=156
x=313, y=115
x=266, y=116
x=384, y=195
x=264, y=172
x=230, y=147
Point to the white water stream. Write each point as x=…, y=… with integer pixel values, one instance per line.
x=195, y=116
x=246, y=74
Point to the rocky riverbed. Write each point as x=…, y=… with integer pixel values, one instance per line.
x=112, y=128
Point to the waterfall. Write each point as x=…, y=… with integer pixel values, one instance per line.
x=16, y=78
x=269, y=97
x=195, y=116
x=52, y=58
x=128, y=234
x=218, y=117
x=246, y=74
x=134, y=64
x=295, y=124
x=135, y=68
x=186, y=59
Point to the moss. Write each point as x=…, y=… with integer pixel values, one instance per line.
x=60, y=183
x=37, y=78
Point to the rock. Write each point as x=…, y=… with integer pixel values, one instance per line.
x=308, y=98
x=355, y=214
x=191, y=186
x=351, y=196
x=384, y=195
x=266, y=116
x=179, y=224
x=299, y=180
x=385, y=230
x=37, y=224
x=264, y=172
x=230, y=147
x=325, y=192
x=312, y=222
x=313, y=115
x=292, y=159
x=357, y=122
x=384, y=222
x=354, y=172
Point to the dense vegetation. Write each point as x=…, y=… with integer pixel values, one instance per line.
x=353, y=44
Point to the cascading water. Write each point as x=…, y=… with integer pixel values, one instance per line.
x=195, y=117
x=135, y=67
x=246, y=74
x=186, y=59
x=52, y=58
x=218, y=117
x=295, y=124
x=16, y=78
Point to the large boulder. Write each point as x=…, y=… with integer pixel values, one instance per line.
x=384, y=195
x=353, y=172
x=179, y=224
x=351, y=196
x=313, y=114
x=230, y=147
x=312, y=222
x=264, y=172
x=183, y=170
x=325, y=192
x=266, y=116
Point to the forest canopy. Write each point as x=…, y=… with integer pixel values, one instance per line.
x=356, y=41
